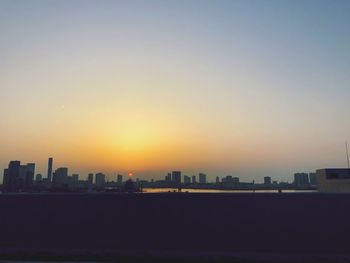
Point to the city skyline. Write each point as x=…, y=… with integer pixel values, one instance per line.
x=248, y=89
x=177, y=176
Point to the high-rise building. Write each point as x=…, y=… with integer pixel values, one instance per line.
x=176, y=177
x=75, y=180
x=49, y=170
x=193, y=179
x=38, y=178
x=60, y=177
x=22, y=176
x=202, y=178
x=187, y=179
x=217, y=180
x=228, y=179
x=267, y=180
x=29, y=175
x=301, y=179
x=100, y=180
x=90, y=179
x=5, y=177
x=11, y=180
x=119, y=179
x=312, y=177
x=18, y=177
x=168, y=177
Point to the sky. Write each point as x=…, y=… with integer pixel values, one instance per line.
x=245, y=88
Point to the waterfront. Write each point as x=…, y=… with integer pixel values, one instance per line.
x=191, y=190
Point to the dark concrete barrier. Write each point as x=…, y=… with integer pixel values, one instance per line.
x=291, y=223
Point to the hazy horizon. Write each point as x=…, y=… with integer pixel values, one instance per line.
x=242, y=88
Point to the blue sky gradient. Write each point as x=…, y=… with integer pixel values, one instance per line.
x=249, y=88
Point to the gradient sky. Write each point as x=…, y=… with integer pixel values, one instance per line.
x=247, y=88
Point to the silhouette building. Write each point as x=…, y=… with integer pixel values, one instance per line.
x=100, y=180
x=38, y=178
x=5, y=177
x=18, y=177
x=11, y=177
x=90, y=179
x=75, y=180
x=267, y=180
x=193, y=179
x=119, y=179
x=187, y=179
x=228, y=179
x=129, y=186
x=168, y=178
x=301, y=179
x=312, y=178
x=29, y=171
x=202, y=178
x=176, y=177
x=60, y=178
x=49, y=170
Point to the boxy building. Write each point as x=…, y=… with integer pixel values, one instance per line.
x=333, y=180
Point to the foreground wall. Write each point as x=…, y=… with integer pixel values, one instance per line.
x=250, y=222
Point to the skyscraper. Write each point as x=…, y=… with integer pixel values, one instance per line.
x=312, y=177
x=11, y=180
x=29, y=175
x=119, y=179
x=193, y=179
x=22, y=176
x=75, y=180
x=38, y=178
x=168, y=177
x=301, y=179
x=5, y=177
x=59, y=178
x=176, y=177
x=18, y=177
x=202, y=178
x=187, y=179
x=91, y=179
x=100, y=180
x=49, y=170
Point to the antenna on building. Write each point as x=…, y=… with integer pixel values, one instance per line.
x=347, y=153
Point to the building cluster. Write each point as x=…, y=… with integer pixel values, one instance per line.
x=175, y=179
x=20, y=178
x=229, y=182
x=304, y=180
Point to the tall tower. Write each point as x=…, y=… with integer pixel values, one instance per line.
x=12, y=177
x=49, y=170
x=176, y=177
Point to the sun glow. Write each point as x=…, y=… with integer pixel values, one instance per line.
x=134, y=140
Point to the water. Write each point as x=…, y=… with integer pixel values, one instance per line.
x=166, y=190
